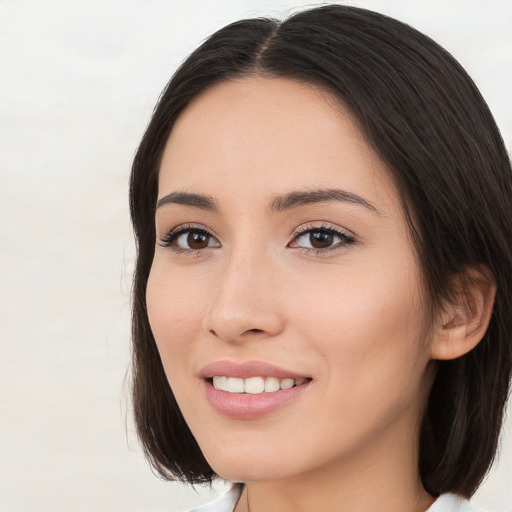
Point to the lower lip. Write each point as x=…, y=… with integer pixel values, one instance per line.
x=247, y=406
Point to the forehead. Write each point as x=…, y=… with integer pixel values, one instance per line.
x=256, y=134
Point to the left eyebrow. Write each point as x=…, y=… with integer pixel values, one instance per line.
x=301, y=198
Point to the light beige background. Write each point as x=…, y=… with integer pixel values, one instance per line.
x=78, y=81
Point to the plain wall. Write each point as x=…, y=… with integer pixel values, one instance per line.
x=78, y=81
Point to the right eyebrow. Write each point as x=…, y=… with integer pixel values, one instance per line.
x=184, y=198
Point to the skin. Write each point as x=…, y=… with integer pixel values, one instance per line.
x=351, y=316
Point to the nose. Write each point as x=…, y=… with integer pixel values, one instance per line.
x=245, y=304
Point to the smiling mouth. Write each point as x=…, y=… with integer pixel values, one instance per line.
x=254, y=385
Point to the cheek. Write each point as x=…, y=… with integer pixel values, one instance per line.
x=365, y=323
x=368, y=333
x=174, y=316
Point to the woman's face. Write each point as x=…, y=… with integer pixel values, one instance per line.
x=283, y=259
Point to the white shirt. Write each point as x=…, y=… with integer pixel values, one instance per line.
x=445, y=503
x=453, y=503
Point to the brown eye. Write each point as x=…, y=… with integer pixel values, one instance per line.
x=197, y=240
x=194, y=240
x=189, y=239
x=321, y=239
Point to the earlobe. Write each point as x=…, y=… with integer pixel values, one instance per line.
x=464, y=322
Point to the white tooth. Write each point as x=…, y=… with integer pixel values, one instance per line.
x=286, y=383
x=235, y=385
x=220, y=382
x=271, y=384
x=254, y=385
x=299, y=382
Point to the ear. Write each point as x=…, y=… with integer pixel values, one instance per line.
x=463, y=323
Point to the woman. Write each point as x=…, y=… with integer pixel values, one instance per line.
x=322, y=302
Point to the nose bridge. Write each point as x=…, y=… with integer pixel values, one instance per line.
x=244, y=302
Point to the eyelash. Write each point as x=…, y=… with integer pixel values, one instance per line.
x=345, y=237
x=169, y=240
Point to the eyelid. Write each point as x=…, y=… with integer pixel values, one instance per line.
x=167, y=240
x=346, y=236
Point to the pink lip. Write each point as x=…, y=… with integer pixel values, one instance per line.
x=248, y=369
x=246, y=406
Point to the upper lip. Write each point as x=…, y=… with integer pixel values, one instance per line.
x=244, y=370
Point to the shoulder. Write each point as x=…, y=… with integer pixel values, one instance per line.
x=453, y=503
x=225, y=503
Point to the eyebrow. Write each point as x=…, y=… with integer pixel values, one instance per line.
x=278, y=204
x=186, y=199
x=301, y=198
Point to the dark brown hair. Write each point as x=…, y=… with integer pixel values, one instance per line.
x=427, y=121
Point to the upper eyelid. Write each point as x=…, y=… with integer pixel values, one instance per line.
x=192, y=226
x=189, y=227
x=347, y=238
x=297, y=232
x=174, y=233
x=305, y=228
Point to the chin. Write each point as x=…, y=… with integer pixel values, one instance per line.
x=249, y=468
x=248, y=473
